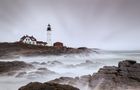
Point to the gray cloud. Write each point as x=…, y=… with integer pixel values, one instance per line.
x=107, y=24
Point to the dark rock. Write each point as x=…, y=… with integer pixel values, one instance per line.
x=126, y=63
x=35, y=63
x=130, y=69
x=46, y=86
x=43, y=63
x=54, y=63
x=87, y=64
x=10, y=73
x=62, y=79
x=13, y=50
x=108, y=70
x=8, y=67
x=79, y=82
x=21, y=74
x=40, y=72
x=43, y=69
x=125, y=76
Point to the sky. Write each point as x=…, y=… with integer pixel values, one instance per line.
x=104, y=24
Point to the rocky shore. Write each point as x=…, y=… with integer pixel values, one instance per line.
x=13, y=50
x=124, y=77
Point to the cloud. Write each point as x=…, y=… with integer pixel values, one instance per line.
x=92, y=23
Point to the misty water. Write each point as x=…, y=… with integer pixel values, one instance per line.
x=51, y=67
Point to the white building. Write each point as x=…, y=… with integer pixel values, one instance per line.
x=49, y=41
x=28, y=40
x=41, y=43
x=33, y=41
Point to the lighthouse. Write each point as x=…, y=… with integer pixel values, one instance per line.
x=49, y=35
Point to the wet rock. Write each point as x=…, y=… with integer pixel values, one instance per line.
x=130, y=69
x=10, y=73
x=126, y=63
x=42, y=69
x=20, y=74
x=35, y=63
x=124, y=77
x=54, y=63
x=43, y=63
x=87, y=64
x=7, y=67
x=46, y=86
x=14, y=50
x=79, y=82
x=66, y=80
x=40, y=72
x=108, y=70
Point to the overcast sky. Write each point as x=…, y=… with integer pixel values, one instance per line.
x=105, y=24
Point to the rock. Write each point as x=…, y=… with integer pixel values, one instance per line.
x=43, y=63
x=124, y=77
x=126, y=63
x=65, y=80
x=40, y=72
x=46, y=86
x=14, y=50
x=20, y=74
x=7, y=67
x=87, y=64
x=54, y=63
x=42, y=69
x=79, y=82
x=129, y=69
x=35, y=63
x=108, y=70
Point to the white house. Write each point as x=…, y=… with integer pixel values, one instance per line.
x=28, y=40
x=32, y=40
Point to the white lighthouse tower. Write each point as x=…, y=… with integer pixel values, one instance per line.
x=49, y=41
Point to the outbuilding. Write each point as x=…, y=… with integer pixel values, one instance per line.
x=58, y=45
